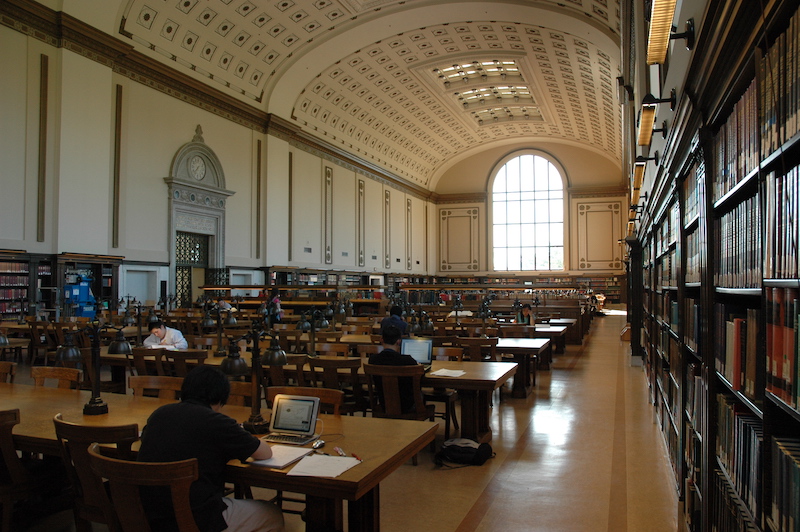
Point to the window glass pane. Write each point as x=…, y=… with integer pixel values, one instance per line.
x=499, y=212
x=556, y=182
x=513, y=212
x=512, y=233
x=527, y=214
x=512, y=171
x=500, y=181
x=499, y=236
x=557, y=258
x=526, y=172
x=513, y=196
x=527, y=235
x=528, y=259
x=527, y=195
x=500, y=259
x=542, y=258
x=542, y=234
x=513, y=258
x=557, y=210
x=541, y=210
x=556, y=234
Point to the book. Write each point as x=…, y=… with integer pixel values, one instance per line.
x=283, y=456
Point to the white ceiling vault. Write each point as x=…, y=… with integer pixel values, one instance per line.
x=413, y=86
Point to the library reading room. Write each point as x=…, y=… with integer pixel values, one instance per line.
x=308, y=265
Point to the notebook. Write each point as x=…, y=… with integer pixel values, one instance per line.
x=421, y=349
x=294, y=418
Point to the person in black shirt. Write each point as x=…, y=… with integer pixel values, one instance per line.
x=195, y=428
x=391, y=356
x=395, y=318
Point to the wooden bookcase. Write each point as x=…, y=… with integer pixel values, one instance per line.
x=26, y=284
x=720, y=298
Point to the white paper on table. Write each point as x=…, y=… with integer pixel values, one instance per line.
x=283, y=455
x=320, y=465
x=448, y=372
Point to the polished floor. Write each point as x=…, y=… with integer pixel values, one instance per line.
x=581, y=453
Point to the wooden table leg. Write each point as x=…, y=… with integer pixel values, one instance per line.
x=475, y=415
x=364, y=514
x=323, y=514
x=521, y=387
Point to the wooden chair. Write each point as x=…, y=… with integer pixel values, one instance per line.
x=356, y=329
x=384, y=384
x=161, y=386
x=7, y=371
x=66, y=377
x=365, y=350
x=445, y=395
x=327, y=396
x=178, y=363
x=21, y=479
x=89, y=372
x=88, y=491
x=341, y=373
x=292, y=373
x=442, y=341
x=206, y=343
x=289, y=339
x=140, y=365
x=516, y=331
x=125, y=477
x=376, y=339
x=42, y=343
x=327, y=336
x=478, y=349
x=241, y=394
x=331, y=349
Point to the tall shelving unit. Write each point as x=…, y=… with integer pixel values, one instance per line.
x=721, y=290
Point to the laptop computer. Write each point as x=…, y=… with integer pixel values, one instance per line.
x=421, y=349
x=294, y=418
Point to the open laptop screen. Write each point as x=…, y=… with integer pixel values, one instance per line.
x=294, y=414
x=419, y=348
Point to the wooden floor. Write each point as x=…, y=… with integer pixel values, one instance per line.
x=582, y=453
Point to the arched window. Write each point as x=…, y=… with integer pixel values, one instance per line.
x=528, y=215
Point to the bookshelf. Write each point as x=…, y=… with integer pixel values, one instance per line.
x=26, y=284
x=720, y=296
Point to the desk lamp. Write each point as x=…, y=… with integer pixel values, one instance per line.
x=536, y=302
x=230, y=320
x=484, y=312
x=457, y=305
x=310, y=327
x=220, y=350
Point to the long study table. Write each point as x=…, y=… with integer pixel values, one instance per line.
x=383, y=445
x=522, y=349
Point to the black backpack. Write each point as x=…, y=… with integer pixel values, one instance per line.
x=464, y=452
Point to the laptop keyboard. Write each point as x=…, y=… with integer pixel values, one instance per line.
x=288, y=438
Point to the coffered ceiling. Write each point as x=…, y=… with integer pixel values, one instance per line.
x=412, y=86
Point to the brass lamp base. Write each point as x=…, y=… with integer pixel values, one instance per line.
x=256, y=425
x=95, y=407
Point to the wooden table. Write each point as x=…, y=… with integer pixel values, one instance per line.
x=15, y=345
x=573, y=336
x=557, y=333
x=522, y=349
x=475, y=389
x=383, y=445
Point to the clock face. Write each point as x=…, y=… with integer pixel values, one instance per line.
x=197, y=167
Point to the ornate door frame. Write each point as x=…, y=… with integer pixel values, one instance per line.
x=197, y=199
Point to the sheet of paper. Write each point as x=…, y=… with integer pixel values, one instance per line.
x=320, y=465
x=447, y=372
x=283, y=455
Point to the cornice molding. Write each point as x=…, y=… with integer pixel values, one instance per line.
x=597, y=192
x=472, y=197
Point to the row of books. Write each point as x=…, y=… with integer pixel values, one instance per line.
x=728, y=515
x=10, y=307
x=13, y=267
x=738, y=233
x=736, y=145
x=668, y=230
x=666, y=274
x=782, y=208
x=740, y=437
x=692, y=330
x=737, y=353
x=696, y=393
x=779, y=88
x=13, y=293
x=785, y=500
x=13, y=280
x=694, y=252
x=782, y=308
x=693, y=195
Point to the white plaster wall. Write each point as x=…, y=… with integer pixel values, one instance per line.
x=419, y=239
x=397, y=231
x=345, y=198
x=276, y=211
x=307, y=210
x=85, y=147
x=373, y=226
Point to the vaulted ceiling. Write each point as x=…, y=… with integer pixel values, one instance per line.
x=413, y=86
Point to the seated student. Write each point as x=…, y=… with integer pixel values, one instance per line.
x=395, y=318
x=163, y=336
x=223, y=305
x=391, y=356
x=195, y=428
x=524, y=315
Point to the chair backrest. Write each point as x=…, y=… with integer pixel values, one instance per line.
x=356, y=329
x=178, y=363
x=516, y=331
x=74, y=439
x=149, y=385
x=327, y=396
x=283, y=326
x=384, y=385
x=332, y=349
x=125, y=478
x=294, y=369
x=139, y=360
x=289, y=339
x=11, y=467
x=442, y=341
x=331, y=376
x=448, y=353
x=201, y=342
x=241, y=394
x=478, y=349
x=41, y=335
x=365, y=350
x=327, y=336
x=7, y=371
x=66, y=377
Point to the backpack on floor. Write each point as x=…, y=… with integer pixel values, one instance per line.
x=464, y=452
